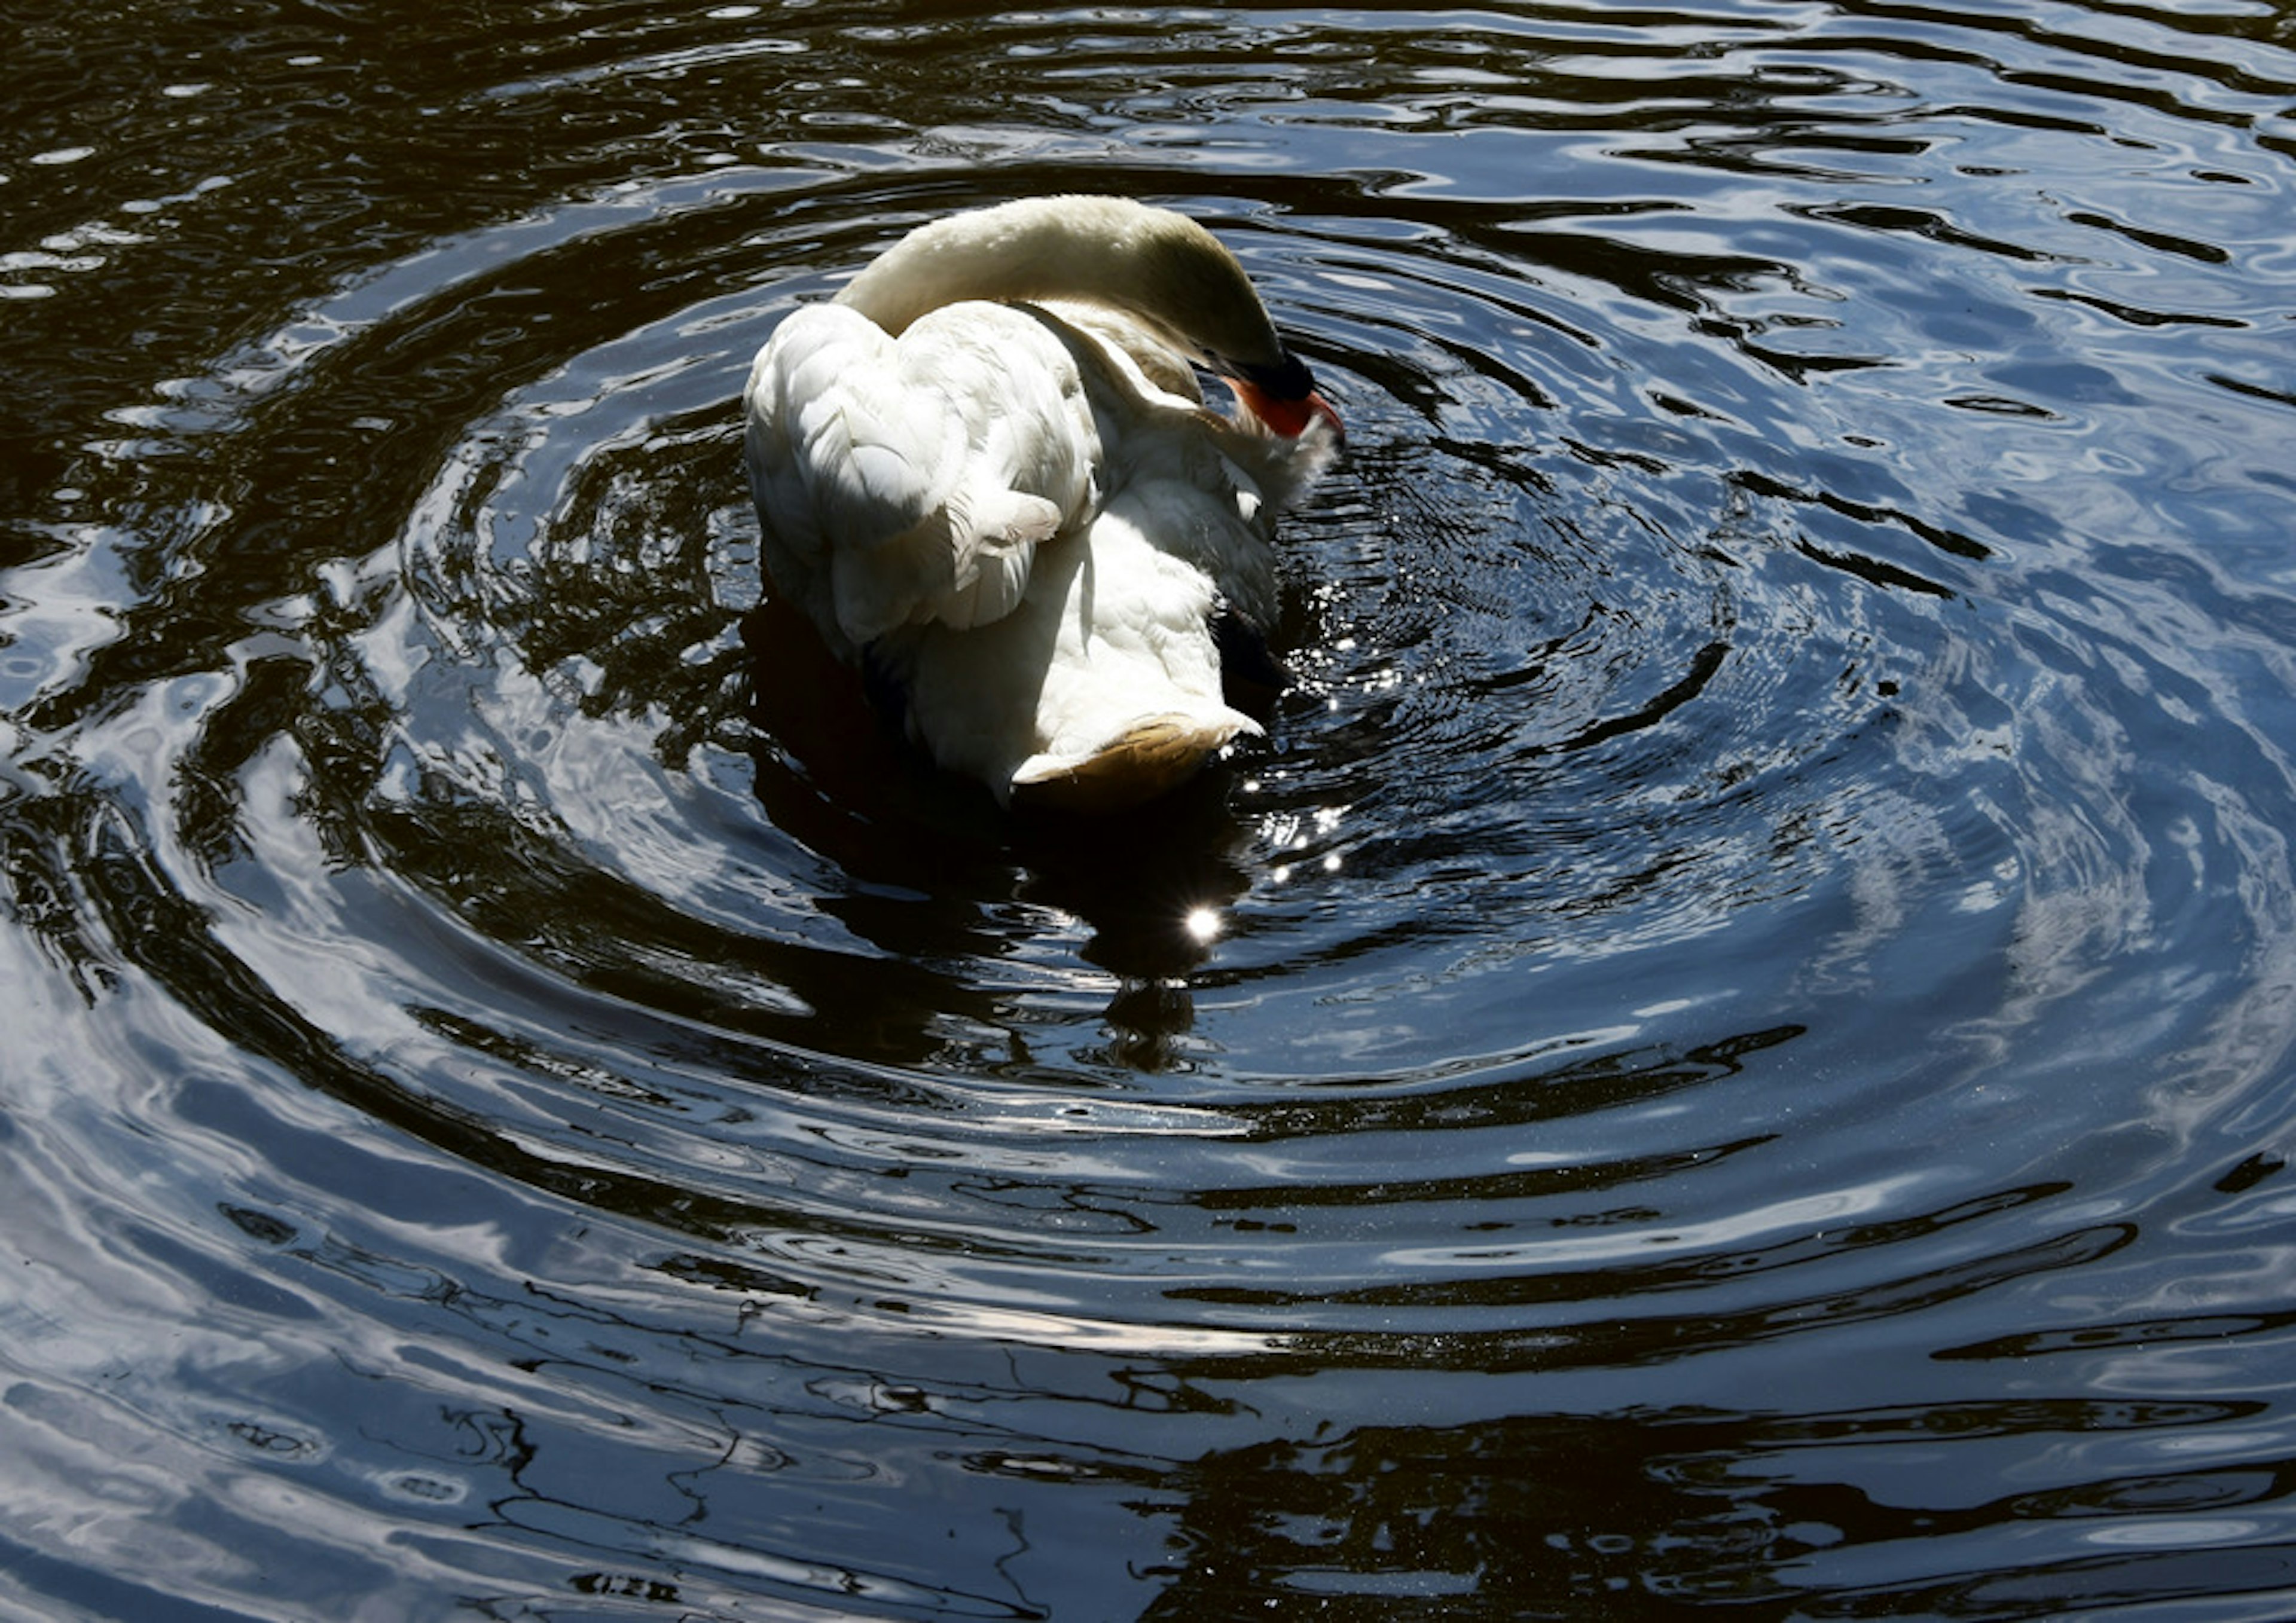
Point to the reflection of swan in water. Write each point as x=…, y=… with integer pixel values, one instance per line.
x=927, y=865
x=1019, y=517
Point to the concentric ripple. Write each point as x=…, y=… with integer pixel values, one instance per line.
x=1731, y=1045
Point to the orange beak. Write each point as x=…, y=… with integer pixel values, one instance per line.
x=1287, y=415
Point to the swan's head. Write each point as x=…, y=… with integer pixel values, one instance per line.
x=1282, y=395
x=1160, y=267
x=1186, y=280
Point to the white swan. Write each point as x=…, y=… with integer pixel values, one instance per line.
x=985, y=471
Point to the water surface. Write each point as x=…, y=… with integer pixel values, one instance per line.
x=1730, y=1051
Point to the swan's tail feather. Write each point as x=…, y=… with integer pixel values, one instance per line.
x=1149, y=757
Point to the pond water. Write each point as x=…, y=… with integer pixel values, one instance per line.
x=1732, y=1050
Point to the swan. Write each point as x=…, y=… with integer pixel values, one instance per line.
x=986, y=475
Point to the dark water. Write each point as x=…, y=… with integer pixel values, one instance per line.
x=1731, y=1051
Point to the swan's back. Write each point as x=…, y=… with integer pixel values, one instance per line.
x=908, y=482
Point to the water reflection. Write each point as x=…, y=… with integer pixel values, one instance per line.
x=1761, y=1510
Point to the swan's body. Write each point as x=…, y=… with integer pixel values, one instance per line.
x=985, y=471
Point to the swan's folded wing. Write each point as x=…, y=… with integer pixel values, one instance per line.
x=845, y=461
x=908, y=482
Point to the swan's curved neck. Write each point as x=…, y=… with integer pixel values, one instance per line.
x=1157, y=265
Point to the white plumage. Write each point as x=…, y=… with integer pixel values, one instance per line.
x=986, y=469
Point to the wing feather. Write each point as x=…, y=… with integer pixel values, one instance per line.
x=909, y=482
